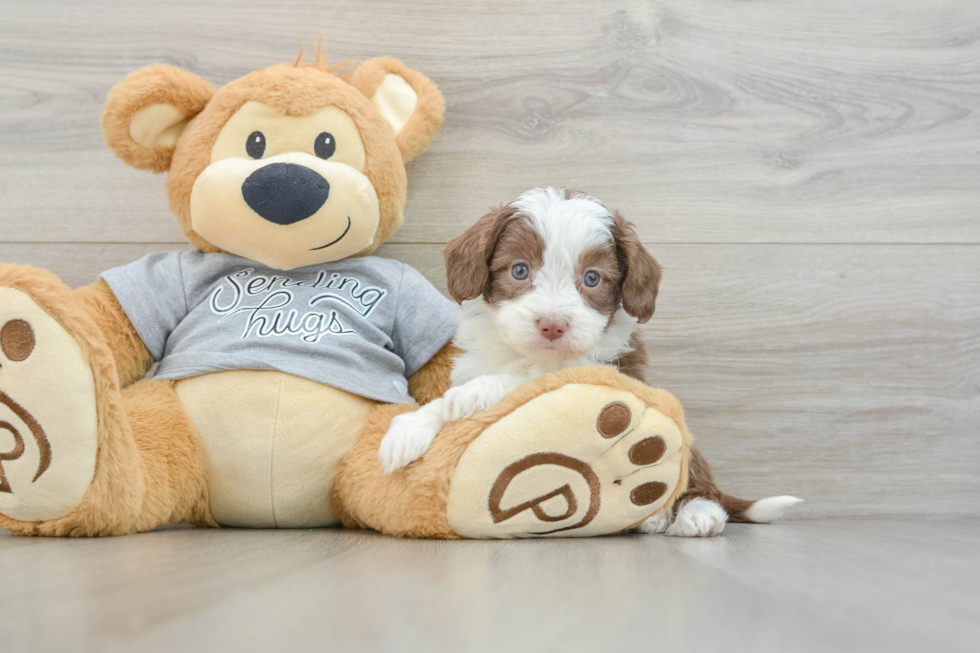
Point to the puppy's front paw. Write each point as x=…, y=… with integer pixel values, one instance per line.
x=699, y=518
x=408, y=437
x=477, y=396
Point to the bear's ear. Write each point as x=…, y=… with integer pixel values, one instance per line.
x=407, y=100
x=145, y=114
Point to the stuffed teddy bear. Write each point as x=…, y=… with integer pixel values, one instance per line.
x=285, y=349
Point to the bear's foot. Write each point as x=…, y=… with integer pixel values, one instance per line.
x=583, y=459
x=48, y=407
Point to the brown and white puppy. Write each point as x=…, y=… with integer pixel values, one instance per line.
x=551, y=281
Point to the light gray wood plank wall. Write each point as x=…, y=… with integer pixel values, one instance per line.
x=807, y=173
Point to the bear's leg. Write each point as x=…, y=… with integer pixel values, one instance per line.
x=582, y=452
x=171, y=461
x=77, y=455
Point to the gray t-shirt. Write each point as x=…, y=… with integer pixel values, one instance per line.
x=363, y=325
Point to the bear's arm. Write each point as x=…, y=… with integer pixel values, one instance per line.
x=133, y=359
x=432, y=379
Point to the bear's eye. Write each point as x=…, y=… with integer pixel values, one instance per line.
x=520, y=272
x=255, y=145
x=591, y=279
x=325, y=145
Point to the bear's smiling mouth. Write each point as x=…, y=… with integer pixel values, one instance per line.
x=336, y=240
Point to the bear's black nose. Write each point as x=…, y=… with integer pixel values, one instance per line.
x=285, y=193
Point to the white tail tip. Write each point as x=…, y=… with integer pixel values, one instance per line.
x=770, y=509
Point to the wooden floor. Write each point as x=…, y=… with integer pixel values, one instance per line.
x=808, y=173
x=817, y=585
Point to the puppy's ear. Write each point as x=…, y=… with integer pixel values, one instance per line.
x=407, y=100
x=469, y=255
x=640, y=272
x=145, y=114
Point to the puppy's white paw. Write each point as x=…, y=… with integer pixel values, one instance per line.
x=658, y=522
x=476, y=396
x=409, y=436
x=698, y=518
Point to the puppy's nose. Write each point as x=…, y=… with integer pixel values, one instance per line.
x=284, y=193
x=552, y=328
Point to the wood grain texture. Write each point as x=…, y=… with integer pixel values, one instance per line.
x=824, y=585
x=711, y=120
x=849, y=376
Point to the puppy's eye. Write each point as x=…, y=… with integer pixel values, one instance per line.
x=591, y=279
x=520, y=272
x=255, y=145
x=325, y=145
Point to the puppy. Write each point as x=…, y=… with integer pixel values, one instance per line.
x=551, y=281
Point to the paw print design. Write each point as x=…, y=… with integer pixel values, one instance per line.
x=578, y=461
x=48, y=440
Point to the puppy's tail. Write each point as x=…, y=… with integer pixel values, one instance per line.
x=762, y=511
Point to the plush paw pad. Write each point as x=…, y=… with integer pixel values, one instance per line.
x=47, y=413
x=578, y=461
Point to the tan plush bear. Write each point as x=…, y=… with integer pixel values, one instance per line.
x=285, y=349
